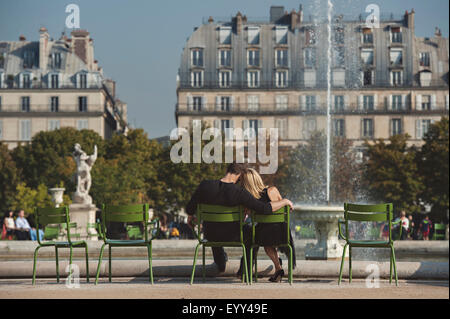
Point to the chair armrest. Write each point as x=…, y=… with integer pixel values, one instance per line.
x=401, y=228
x=155, y=223
x=340, y=221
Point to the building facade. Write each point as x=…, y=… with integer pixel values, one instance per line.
x=273, y=74
x=47, y=84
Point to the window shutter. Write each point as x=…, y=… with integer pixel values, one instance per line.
x=418, y=129
x=360, y=102
x=418, y=101
x=318, y=106
x=232, y=124
x=346, y=102
x=404, y=96
x=362, y=127
x=217, y=103
x=190, y=102
x=375, y=101
x=433, y=102
x=391, y=75
x=217, y=124
x=302, y=102
x=446, y=102
x=204, y=103
x=231, y=103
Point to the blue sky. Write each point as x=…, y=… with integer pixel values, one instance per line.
x=138, y=43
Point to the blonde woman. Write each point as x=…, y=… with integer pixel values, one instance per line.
x=268, y=235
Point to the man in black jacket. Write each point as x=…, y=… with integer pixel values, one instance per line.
x=226, y=192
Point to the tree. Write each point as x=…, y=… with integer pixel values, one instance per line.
x=27, y=198
x=392, y=175
x=9, y=178
x=432, y=162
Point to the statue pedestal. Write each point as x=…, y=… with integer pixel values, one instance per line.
x=82, y=214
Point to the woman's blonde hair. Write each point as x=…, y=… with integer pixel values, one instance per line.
x=252, y=182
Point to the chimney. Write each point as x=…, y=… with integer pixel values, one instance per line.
x=437, y=32
x=238, y=23
x=82, y=47
x=300, y=14
x=22, y=38
x=410, y=19
x=294, y=19
x=210, y=20
x=44, y=49
x=276, y=13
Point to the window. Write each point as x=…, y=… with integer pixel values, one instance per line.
x=422, y=127
x=426, y=103
x=281, y=125
x=224, y=124
x=310, y=126
x=368, y=77
x=310, y=102
x=0, y=103
x=197, y=103
x=82, y=124
x=25, y=130
x=281, y=79
x=367, y=56
x=254, y=125
x=424, y=59
x=310, y=57
x=53, y=125
x=396, y=126
x=25, y=104
x=225, y=58
x=396, y=57
x=28, y=59
x=225, y=103
x=310, y=37
x=396, y=77
x=253, y=35
x=367, y=128
x=368, y=102
x=225, y=35
x=253, y=102
x=281, y=35
x=197, y=57
x=281, y=57
x=339, y=36
x=82, y=80
x=253, y=57
x=224, y=79
x=82, y=103
x=56, y=60
x=367, y=36
x=281, y=102
x=26, y=80
x=396, y=35
x=253, y=79
x=54, y=81
x=339, y=127
x=338, y=103
x=54, y=104
x=197, y=78
x=397, y=102
x=339, y=56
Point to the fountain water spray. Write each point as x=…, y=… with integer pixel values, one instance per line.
x=329, y=57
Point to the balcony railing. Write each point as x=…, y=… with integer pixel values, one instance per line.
x=37, y=84
x=47, y=108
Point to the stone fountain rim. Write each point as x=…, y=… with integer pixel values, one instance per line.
x=319, y=208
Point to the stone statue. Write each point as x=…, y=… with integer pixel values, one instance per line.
x=83, y=174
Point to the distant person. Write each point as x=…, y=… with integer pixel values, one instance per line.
x=425, y=227
x=384, y=231
x=24, y=230
x=174, y=233
x=404, y=221
x=9, y=226
x=411, y=227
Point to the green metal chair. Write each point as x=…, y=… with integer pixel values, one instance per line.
x=94, y=226
x=441, y=234
x=134, y=232
x=219, y=214
x=280, y=216
x=60, y=215
x=72, y=225
x=368, y=213
x=51, y=232
x=126, y=214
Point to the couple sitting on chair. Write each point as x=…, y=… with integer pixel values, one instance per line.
x=253, y=195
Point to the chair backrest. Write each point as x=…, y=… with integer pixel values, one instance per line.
x=368, y=213
x=280, y=216
x=439, y=231
x=52, y=215
x=220, y=214
x=124, y=214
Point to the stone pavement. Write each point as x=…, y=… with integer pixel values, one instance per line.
x=224, y=288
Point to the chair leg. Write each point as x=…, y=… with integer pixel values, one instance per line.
x=150, y=270
x=99, y=263
x=290, y=265
x=70, y=263
x=395, y=266
x=57, y=264
x=342, y=264
x=390, y=266
x=203, y=263
x=110, y=274
x=87, y=262
x=349, y=264
x=245, y=263
x=34, y=264
x=256, y=266
x=195, y=262
x=251, y=263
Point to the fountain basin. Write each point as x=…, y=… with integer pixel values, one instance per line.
x=325, y=220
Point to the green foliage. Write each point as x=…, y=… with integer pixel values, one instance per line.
x=27, y=198
x=432, y=162
x=392, y=174
x=9, y=177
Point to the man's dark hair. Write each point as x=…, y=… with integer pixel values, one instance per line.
x=236, y=168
